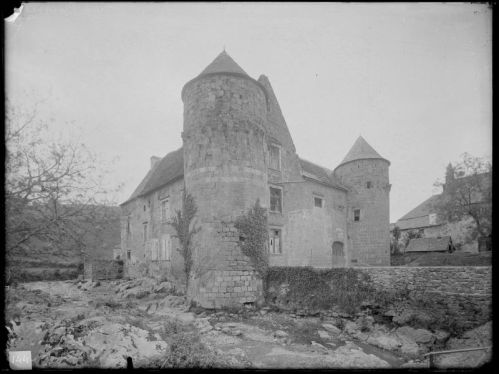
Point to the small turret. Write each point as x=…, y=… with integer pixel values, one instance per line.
x=365, y=173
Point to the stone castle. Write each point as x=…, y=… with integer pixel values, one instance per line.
x=236, y=149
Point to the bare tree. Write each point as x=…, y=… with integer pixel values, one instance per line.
x=467, y=192
x=53, y=188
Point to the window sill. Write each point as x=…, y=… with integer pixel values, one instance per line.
x=275, y=212
x=278, y=170
x=276, y=254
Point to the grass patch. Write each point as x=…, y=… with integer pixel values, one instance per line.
x=186, y=349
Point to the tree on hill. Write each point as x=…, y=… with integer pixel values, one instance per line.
x=53, y=187
x=467, y=193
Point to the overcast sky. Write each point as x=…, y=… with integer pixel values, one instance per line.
x=414, y=79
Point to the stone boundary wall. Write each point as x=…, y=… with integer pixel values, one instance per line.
x=103, y=269
x=463, y=293
x=449, y=280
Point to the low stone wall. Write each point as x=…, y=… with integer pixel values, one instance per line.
x=465, y=291
x=103, y=269
x=462, y=294
x=466, y=280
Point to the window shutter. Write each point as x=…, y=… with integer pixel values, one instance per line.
x=154, y=252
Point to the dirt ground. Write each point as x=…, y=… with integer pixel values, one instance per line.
x=69, y=324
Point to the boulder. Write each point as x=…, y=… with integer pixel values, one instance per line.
x=404, y=317
x=163, y=287
x=323, y=334
x=420, y=336
x=351, y=328
x=331, y=328
x=385, y=341
x=185, y=318
x=280, y=334
x=441, y=336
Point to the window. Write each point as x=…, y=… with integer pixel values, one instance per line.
x=275, y=200
x=368, y=184
x=145, y=232
x=275, y=157
x=356, y=215
x=432, y=218
x=275, y=242
x=318, y=202
x=128, y=231
x=165, y=210
x=165, y=249
x=128, y=255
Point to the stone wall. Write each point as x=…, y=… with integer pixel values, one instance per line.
x=225, y=152
x=447, y=280
x=103, y=269
x=462, y=293
x=147, y=209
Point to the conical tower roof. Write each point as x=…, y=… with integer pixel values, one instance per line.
x=361, y=150
x=223, y=63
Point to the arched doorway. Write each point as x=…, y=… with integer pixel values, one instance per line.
x=338, y=254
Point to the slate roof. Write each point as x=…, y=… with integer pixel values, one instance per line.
x=320, y=174
x=361, y=150
x=223, y=63
x=168, y=169
x=429, y=244
x=423, y=209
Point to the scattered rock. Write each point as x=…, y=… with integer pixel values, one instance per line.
x=323, y=334
x=236, y=332
x=320, y=346
x=280, y=334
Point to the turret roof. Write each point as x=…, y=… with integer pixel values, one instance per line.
x=223, y=63
x=361, y=150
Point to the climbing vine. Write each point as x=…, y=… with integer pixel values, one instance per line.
x=253, y=235
x=181, y=222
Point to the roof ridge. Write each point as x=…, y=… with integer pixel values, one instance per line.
x=223, y=63
x=361, y=149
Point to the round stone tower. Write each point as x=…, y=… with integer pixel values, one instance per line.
x=225, y=172
x=365, y=173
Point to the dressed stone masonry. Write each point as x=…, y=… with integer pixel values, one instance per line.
x=236, y=150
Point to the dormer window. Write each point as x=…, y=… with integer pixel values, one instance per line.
x=275, y=157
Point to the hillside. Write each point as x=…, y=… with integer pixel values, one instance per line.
x=39, y=259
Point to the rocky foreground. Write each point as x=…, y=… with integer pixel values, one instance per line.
x=75, y=324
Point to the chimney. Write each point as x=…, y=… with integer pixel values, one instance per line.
x=154, y=160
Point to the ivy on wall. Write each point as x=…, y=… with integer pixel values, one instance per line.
x=253, y=233
x=318, y=289
x=181, y=222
